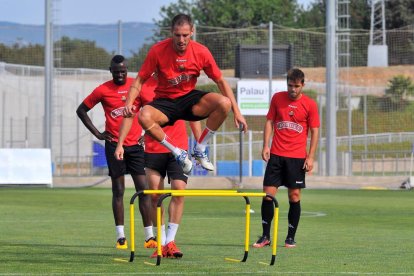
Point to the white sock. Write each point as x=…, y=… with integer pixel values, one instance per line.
x=204, y=138
x=148, y=232
x=163, y=235
x=175, y=151
x=119, y=231
x=172, y=231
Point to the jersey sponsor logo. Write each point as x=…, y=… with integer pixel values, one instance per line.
x=122, y=91
x=289, y=125
x=117, y=112
x=179, y=79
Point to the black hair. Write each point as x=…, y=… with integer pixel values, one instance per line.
x=117, y=59
x=295, y=74
x=181, y=19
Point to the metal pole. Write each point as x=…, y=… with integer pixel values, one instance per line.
x=11, y=132
x=3, y=121
x=331, y=161
x=241, y=154
x=48, y=74
x=120, y=37
x=270, y=60
x=77, y=142
x=365, y=124
x=321, y=164
x=250, y=153
x=26, y=136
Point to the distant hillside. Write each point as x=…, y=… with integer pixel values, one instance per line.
x=134, y=34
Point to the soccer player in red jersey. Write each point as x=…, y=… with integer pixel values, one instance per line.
x=290, y=117
x=112, y=96
x=159, y=163
x=178, y=61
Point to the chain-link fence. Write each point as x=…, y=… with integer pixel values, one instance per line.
x=375, y=121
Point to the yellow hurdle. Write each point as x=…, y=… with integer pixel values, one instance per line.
x=167, y=193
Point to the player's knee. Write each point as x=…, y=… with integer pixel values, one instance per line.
x=118, y=192
x=225, y=104
x=145, y=118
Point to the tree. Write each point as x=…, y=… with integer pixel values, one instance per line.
x=76, y=53
x=399, y=88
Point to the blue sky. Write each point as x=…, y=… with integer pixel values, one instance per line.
x=85, y=11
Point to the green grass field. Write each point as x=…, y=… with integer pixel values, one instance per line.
x=341, y=232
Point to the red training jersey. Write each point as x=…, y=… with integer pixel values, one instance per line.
x=177, y=75
x=177, y=132
x=292, y=120
x=113, y=97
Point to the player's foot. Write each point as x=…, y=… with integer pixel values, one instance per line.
x=262, y=242
x=121, y=243
x=202, y=159
x=164, y=252
x=173, y=251
x=290, y=243
x=150, y=243
x=184, y=162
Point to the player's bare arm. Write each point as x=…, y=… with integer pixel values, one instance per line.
x=228, y=92
x=123, y=132
x=82, y=112
x=308, y=166
x=267, y=132
x=133, y=93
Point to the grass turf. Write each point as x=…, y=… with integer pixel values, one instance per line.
x=71, y=231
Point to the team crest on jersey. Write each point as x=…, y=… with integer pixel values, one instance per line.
x=123, y=98
x=117, y=112
x=179, y=79
x=289, y=125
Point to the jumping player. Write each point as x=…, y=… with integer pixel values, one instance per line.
x=178, y=61
x=159, y=163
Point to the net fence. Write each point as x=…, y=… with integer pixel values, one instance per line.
x=375, y=109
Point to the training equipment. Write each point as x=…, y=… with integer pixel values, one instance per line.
x=150, y=243
x=225, y=193
x=262, y=242
x=184, y=162
x=121, y=243
x=290, y=243
x=202, y=159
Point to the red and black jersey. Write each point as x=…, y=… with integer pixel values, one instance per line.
x=292, y=120
x=113, y=97
x=177, y=75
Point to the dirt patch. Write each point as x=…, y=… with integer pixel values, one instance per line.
x=358, y=76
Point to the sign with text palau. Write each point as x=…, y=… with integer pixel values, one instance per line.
x=253, y=95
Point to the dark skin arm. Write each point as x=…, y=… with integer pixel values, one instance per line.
x=82, y=113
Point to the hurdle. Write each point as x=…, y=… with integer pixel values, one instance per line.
x=220, y=193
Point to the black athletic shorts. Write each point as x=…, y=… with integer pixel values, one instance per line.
x=133, y=162
x=285, y=171
x=165, y=164
x=179, y=108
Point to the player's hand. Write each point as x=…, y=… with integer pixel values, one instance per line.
x=119, y=152
x=129, y=110
x=106, y=136
x=240, y=122
x=266, y=154
x=308, y=165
